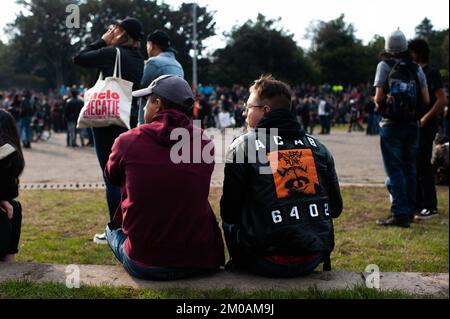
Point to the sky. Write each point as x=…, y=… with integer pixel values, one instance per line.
x=369, y=17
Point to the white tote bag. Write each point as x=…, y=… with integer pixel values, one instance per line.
x=108, y=102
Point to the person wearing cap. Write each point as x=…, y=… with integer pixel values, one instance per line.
x=164, y=228
x=162, y=61
x=125, y=35
x=399, y=139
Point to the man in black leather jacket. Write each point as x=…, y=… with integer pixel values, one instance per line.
x=280, y=190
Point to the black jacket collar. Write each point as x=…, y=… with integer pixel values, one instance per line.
x=281, y=119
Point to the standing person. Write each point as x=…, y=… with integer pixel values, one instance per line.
x=322, y=115
x=165, y=227
x=225, y=119
x=11, y=166
x=401, y=87
x=313, y=114
x=305, y=113
x=278, y=223
x=126, y=36
x=445, y=120
x=162, y=61
x=355, y=115
x=26, y=114
x=426, y=199
x=72, y=109
x=369, y=109
x=14, y=109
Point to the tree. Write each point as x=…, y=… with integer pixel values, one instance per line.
x=42, y=43
x=43, y=46
x=424, y=29
x=341, y=57
x=256, y=48
x=181, y=35
x=436, y=40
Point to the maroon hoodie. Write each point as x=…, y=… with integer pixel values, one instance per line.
x=164, y=209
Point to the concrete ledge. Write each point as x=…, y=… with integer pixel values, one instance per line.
x=96, y=275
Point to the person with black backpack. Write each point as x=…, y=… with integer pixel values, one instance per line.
x=400, y=89
x=426, y=199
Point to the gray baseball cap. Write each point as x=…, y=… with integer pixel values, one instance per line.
x=396, y=42
x=170, y=87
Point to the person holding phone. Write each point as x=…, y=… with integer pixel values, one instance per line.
x=126, y=35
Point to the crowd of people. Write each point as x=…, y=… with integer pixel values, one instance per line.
x=37, y=112
x=279, y=199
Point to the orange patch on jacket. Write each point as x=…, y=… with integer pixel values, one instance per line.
x=294, y=171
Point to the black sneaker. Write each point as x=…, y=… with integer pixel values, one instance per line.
x=230, y=265
x=394, y=221
x=426, y=214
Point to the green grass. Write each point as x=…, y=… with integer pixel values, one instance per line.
x=58, y=227
x=28, y=290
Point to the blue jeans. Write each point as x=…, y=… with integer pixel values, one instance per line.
x=373, y=124
x=104, y=138
x=264, y=267
x=399, y=146
x=141, y=114
x=25, y=129
x=116, y=241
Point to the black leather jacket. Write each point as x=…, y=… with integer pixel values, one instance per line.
x=288, y=209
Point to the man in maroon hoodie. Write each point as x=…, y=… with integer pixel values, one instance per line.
x=164, y=228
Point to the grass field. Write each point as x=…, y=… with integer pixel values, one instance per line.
x=58, y=227
x=26, y=290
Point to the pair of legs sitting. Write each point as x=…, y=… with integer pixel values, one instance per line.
x=116, y=241
x=269, y=266
x=10, y=232
x=263, y=266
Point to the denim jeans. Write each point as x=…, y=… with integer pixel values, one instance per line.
x=104, y=138
x=141, y=115
x=25, y=129
x=72, y=134
x=116, y=241
x=399, y=146
x=264, y=267
x=373, y=124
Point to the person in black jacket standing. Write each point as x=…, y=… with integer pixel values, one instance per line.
x=72, y=109
x=126, y=36
x=426, y=198
x=11, y=166
x=280, y=190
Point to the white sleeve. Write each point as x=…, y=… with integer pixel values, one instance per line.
x=6, y=150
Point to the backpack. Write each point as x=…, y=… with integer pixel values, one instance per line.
x=402, y=85
x=27, y=109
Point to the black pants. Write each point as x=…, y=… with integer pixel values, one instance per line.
x=10, y=231
x=104, y=138
x=426, y=190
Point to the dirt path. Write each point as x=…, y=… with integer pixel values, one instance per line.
x=357, y=158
